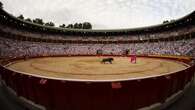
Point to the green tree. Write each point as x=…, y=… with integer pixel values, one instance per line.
x=62, y=26
x=28, y=20
x=21, y=17
x=87, y=25
x=166, y=21
x=80, y=26
x=38, y=21
x=49, y=24
x=76, y=26
x=70, y=26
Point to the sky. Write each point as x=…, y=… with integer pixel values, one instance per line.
x=102, y=14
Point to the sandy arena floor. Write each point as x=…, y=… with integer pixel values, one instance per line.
x=90, y=68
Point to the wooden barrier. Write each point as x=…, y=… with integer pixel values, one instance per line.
x=70, y=95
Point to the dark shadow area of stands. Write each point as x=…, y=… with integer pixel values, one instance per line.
x=8, y=102
x=187, y=102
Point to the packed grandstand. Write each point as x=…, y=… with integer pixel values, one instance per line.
x=20, y=38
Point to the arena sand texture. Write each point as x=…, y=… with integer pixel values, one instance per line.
x=91, y=68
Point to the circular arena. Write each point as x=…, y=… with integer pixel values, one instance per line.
x=51, y=68
x=91, y=68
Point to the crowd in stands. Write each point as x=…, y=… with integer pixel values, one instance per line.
x=18, y=48
x=15, y=48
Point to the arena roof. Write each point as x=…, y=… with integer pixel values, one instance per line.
x=188, y=19
x=103, y=14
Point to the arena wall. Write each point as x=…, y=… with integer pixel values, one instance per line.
x=146, y=93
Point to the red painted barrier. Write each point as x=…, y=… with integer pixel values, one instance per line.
x=70, y=95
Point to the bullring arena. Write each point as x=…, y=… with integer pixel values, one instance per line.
x=90, y=68
x=51, y=68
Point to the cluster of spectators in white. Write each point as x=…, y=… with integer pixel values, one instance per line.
x=15, y=48
x=156, y=35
